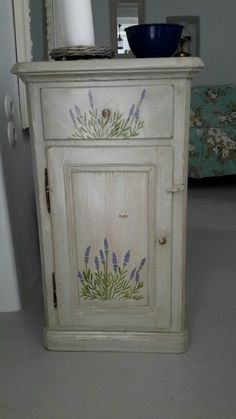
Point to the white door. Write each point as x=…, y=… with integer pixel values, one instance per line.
x=111, y=218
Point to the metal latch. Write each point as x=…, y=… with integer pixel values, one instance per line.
x=54, y=290
x=175, y=188
x=47, y=190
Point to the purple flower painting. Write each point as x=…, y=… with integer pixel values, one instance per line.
x=106, y=124
x=110, y=280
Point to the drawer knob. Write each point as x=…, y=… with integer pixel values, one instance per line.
x=123, y=214
x=162, y=240
x=106, y=113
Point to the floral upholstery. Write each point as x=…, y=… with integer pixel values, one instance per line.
x=212, y=148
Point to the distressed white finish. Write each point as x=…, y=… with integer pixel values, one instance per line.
x=130, y=191
x=55, y=31
x=92, y=193
x=158, y=119
x=22, y=21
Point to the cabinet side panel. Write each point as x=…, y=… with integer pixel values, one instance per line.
x=164, y=235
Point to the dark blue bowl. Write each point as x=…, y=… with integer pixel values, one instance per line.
x=154, y=39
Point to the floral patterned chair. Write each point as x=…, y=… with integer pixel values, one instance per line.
x=212, y=148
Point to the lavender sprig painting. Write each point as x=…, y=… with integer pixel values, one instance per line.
x=104, y=278
x=95, y=124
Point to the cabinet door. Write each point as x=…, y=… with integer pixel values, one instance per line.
x=111, y=211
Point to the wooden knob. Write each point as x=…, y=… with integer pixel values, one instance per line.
x=106, y=113
x=123, y=214
x=162, y=240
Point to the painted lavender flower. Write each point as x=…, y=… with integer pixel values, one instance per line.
x=72, y=116
x=86, y=255
x=132, y=274
x=142, y=264
x=110, y=280
x=91, y=101
x=77, y=110
x=92, y=124
x=137, y=276
x=143, y=95
x=106, y=247
x=102, y=256
x=136, y=115
x=97, y=263
x=131, y=111
x=114, y=262
x=80, y=276
x=126, y=258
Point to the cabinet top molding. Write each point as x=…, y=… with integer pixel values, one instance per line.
x=118, y=68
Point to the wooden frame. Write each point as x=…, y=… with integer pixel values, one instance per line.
x=113, y=17
x=55, y=35
x=22, y=20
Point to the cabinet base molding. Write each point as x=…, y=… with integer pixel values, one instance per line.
x=116, y=341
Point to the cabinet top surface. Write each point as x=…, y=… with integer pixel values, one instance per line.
x=186, y=67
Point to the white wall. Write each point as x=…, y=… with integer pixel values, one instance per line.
x=217, y=31
x=9, y=288
x=38, y=29
x=19, y=254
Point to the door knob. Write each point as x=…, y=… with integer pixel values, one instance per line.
x=162, y=240
x=106, y=113
x=123, y=214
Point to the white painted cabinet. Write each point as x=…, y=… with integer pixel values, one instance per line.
x=109, y=141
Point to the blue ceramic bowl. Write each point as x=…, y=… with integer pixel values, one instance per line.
x=154, y=39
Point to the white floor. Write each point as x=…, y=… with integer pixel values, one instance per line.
x=200, y=384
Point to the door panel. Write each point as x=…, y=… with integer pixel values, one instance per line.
x=110, y=270
x=110, y=212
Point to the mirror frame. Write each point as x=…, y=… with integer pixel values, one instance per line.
x=53, y=37
x=113, y=19
x=22, y=21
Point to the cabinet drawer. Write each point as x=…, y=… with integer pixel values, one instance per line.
x=107, y=112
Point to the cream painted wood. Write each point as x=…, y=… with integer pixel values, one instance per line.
x=22, y=21
x=93, y=190
x=105, y=98
x=55, y=30
x=131, y=191
x=117, y=341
